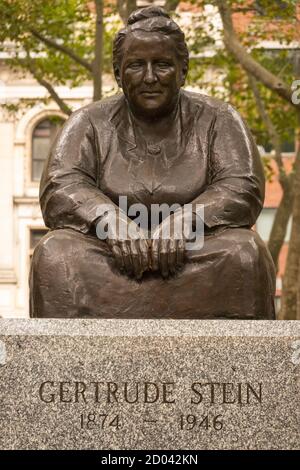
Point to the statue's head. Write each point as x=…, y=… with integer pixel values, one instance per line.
x=150, y=60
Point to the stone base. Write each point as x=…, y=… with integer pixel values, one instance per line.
x=161, y=384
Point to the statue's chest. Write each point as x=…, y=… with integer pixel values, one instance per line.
x=156, y=175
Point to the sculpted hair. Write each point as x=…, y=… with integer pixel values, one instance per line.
x=151, y=19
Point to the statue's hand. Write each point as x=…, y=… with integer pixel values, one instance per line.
x=128, y=244
x=168, y=244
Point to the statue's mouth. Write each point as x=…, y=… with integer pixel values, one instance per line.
x=151, y=93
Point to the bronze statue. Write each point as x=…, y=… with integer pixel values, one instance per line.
x=153, y=144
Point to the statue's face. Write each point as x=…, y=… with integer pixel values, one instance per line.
x=150, y=73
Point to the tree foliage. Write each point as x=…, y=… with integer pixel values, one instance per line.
x=56, y=42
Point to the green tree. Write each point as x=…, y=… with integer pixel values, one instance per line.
x=64, y=42
x=280, y=86
x=259, y=85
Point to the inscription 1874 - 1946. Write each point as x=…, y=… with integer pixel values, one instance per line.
x=149, y=393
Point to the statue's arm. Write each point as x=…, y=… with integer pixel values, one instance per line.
x=235, y=192
x=69, y=195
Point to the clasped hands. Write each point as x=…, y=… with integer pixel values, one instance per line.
x=163, y=252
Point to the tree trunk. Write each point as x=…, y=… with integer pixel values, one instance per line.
x=284, y=209
x=235, y=47
x=298, y=296
x=280, y=224
x=125, y=8
x=290, y=308
x=171, y=5
x=98, y=60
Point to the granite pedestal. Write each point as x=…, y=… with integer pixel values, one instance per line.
x=161, y=384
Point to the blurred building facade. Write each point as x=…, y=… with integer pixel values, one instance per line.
x=25, y=142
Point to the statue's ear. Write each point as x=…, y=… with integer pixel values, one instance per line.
x=117, y=75
x=184, y=72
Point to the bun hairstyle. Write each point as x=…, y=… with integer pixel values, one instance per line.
x=146, y=13
x=151, y=19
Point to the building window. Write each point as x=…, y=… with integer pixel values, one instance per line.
x=42, y=138
x=35, y=236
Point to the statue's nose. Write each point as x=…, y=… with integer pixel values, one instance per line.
x=150, y=76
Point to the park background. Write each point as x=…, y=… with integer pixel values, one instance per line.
x=55, y=57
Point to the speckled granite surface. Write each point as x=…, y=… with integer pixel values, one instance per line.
x=161, y=384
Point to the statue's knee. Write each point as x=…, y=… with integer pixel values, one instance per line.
x=51, y=248
x=246, y=248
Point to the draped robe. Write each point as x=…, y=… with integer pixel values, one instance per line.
x=211, y=159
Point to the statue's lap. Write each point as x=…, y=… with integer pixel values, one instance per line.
x=74, y=275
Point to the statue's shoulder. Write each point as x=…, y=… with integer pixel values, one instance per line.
x=211, y=104
x=105, y=108
x=98, y=111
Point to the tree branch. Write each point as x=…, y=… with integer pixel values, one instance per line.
x=125, y=8
x=97, y=63
x=59, y=47
x=273, y=134
x=280, y=224
x=171, y=5
x=292, y=272
x=284, y=210
x=62, y=105
x=253, y=67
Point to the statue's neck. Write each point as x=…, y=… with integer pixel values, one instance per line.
x=156, y=127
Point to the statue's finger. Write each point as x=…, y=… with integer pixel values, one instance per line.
x=172, y=255
x=180, y=252
x=163, y=257
x=126, y=256
x=145, y=253
x=116, y=251
x=136, y=260
x=155, y=255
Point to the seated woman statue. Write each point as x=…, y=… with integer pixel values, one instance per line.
x=153, y=144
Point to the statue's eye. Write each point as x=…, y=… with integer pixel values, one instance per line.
x=163, y=65
x=134, y=65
